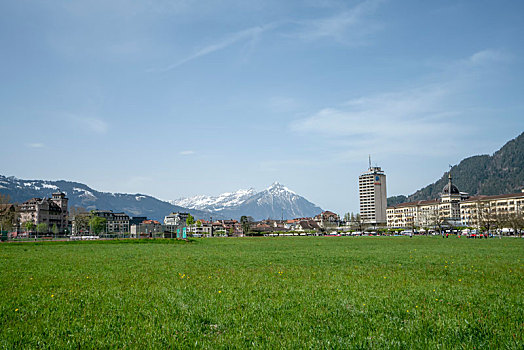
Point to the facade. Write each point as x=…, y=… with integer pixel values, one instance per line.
x=116, y=222
x=231, y=227
x=147, y=228
x=414, y=214
x=8, y=216
x=80, y=224
x=442, y=212
x=327, y=218
x=481, y=211
x=373, y=196
x=176, y=219
x=50, y=211
x=205, y=228
x=455, y=208
x=135, y=220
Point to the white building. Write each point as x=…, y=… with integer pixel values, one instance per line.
x=373, y=196
x=176, y=219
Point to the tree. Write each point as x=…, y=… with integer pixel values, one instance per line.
x=436, y=219
x=5, y=199
x=356, y=222
x=486, y=216
x=245, y=222
x=42, y=228
x=199, y=223
x=8, y=213
x=55, y=229
x=190, y=220
x=79, y=216
x=29, y=226
x=97, y=224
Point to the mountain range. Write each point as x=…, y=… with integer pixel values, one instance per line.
x=81, y=195
x=275, y=202
x=500, y=173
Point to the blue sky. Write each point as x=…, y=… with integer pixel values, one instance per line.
x=178, y=98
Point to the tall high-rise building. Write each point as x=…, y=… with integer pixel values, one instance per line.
x=373, y=196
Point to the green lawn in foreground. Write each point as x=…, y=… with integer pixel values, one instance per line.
x=316, y=292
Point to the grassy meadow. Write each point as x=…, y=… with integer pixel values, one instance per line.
x=287, y=292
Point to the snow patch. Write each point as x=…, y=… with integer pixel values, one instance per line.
x=53, y=187
x=215, y=203
x=85, y=193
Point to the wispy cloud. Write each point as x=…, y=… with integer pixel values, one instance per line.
x=427, y=119
x=35, y=145
x=350, y=26
x=229, y=40
x=95, y=125
x=186, y=153
x=489, y=56
x=391, y=123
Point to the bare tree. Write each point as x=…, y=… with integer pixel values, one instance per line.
x=486, y=216
x=8, y=213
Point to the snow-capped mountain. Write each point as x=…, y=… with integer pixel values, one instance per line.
x=275, y=202
x=215, y=203
x=81, y=195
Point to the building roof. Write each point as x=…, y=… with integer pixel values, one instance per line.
x=309, y=225
x=151, y=222
x=500, y=196
x=412, y=204
x=7, y=207
x=454, y=189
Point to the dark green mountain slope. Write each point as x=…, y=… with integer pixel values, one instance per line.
x=503, y=172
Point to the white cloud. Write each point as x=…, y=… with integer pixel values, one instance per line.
x=489, y=56
x=349, y=27
x=399, y=122
x=35, y=145
x=95, y=125
x=186, y=153
x=426, y=120
x=231, y=39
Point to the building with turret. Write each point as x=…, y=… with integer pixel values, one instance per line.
x=50, y=211
x=455, y=208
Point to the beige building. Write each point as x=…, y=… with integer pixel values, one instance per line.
x=116, y=222
x=50, y=211
x=414, y=214
x=373, y=196
x=479, y=211
x=454, y=208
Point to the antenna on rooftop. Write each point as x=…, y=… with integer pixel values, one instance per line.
x=369, y=156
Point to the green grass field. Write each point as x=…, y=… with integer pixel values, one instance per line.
x=301, y=292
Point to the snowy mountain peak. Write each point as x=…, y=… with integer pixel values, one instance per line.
x=277, y=188
x=215, y=203
x=276, y=201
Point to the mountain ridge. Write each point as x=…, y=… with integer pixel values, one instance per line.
x=499, y=173
x=275, y=202
x=81, y=195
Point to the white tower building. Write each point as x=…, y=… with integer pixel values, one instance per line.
x=373, y=196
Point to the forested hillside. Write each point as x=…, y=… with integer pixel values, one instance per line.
x=502, y=172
